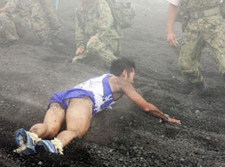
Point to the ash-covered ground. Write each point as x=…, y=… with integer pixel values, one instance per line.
x=123, y=136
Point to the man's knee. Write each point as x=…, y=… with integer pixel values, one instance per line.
x=52, y=132
x=36, y=128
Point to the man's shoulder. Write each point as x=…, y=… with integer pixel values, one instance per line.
x=118, y=82
x=113, y=79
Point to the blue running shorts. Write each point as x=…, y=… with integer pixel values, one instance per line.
x=63, y=97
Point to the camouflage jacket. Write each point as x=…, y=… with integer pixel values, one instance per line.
x=10, y=5
x=188, y=6
x=94, y=20
x=198, y=5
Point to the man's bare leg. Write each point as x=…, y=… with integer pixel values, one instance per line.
x=27, y=140
x=78, y=119
x=52, y=122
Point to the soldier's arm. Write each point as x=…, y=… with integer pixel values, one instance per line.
x=135, y=97
x=105, y=19
x=171, y=37
x=79, y=31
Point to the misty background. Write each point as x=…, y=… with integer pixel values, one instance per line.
x=30, y=73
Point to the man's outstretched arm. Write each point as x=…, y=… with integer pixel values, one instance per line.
x=132, y=94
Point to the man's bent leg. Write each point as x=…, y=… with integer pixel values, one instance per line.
x=78, y=119
x=52, y=122
x=28, y=140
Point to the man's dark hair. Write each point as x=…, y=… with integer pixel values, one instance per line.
x=117, y=66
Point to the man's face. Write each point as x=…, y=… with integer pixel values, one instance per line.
x=129, y=76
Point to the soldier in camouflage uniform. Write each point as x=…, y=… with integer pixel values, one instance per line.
x=95, y=32
x=204, y=27
x=44, y=20
x=8, y=32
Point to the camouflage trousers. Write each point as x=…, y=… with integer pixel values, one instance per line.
x=7, y=28
x=44, y=19
x=206, y=31
x=104, y=48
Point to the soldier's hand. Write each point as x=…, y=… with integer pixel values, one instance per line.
x=93, y=37
x=172, y=39
x=79, y=51
x=172, y=120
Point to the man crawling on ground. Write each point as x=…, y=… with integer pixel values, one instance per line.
x=78, y=105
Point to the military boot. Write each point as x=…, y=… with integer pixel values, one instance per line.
x=199, y=88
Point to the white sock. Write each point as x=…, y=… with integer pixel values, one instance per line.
x=58, y=145
x=34, y=137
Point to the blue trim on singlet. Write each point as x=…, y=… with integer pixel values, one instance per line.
x=107, y=93
x=62, y=97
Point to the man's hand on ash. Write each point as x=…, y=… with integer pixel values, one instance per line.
x=172, y=120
